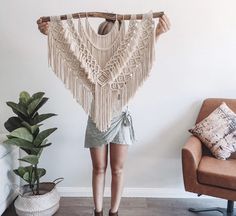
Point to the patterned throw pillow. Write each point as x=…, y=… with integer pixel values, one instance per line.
x=218, y=132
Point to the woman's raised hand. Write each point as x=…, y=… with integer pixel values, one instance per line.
x=42, y=26
x=163, y=25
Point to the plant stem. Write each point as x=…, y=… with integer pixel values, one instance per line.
x=37, y=178
x=30, y=182
x=32, y=189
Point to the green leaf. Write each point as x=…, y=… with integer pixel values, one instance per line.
x=17, y=108
x=42, y=102
x=28, y=151
x=42, y=117
x=26, y=176
x=35, y=128
x=42, y=135
x=28, y=147
x=43, y=146
x=24, y=98
x=9, y=136
x=33, y=105
x=12, y=123
x=40, y=152
x=38, y=149
x=46, y=145
x=19, y=142
x=17, y=173
x=32, y=159
x=36, y=101
x=31, y=128
x=38, y=95
x=20, y=171
x=24, y=172
x=22, y=133
x=41, y=172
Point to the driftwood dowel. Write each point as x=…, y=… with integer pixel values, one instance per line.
x=108, y=16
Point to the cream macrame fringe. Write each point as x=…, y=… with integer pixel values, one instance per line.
x=103, y=72
x=81, y=92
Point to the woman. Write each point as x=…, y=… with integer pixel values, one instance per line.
x=96, y=142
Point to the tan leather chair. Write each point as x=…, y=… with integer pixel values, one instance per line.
x=203, y=173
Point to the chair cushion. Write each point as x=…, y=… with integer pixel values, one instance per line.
x=220, y=173
x=218, y=131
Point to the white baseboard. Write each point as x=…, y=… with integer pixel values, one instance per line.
x=130, y=192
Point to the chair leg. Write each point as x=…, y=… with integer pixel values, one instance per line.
x=229, y=211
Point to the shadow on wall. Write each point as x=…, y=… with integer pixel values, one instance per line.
x=159, y=160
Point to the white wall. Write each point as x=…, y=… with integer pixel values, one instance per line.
x=195, y=60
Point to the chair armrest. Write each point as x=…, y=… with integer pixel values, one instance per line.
x=191, y=156
x=193, y=150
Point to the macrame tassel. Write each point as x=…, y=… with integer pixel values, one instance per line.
x=81, y=93
x=103, y=107
x=144, y=59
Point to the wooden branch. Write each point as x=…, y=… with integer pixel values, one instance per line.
x=108, y=16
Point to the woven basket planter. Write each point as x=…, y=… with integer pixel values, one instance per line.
x=45, y=204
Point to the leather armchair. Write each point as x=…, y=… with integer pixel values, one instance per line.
x=203, y=173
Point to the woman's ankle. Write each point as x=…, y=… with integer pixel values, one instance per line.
x=113, y=213
x=98, y=212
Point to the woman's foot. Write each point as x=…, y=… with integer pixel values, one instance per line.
x=113, y=213
x=100, y=213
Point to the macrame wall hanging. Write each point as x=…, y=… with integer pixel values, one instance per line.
x=103, y=72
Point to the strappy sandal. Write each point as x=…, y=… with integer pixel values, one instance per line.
x=113, y=213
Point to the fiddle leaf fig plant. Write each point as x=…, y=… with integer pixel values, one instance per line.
x=24, y=132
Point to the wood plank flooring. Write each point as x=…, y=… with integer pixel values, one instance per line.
x=73, y=206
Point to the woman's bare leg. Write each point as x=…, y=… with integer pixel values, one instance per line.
x=99, y=162
x=118, y=154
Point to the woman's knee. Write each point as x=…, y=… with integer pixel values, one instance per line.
x=116, y=170
x=99, y=169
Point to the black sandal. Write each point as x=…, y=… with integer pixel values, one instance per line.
x=113, y=213
x=98, y=213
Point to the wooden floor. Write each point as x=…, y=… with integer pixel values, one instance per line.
x=72, y=206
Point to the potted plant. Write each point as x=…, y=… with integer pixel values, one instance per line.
x=35, y=197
